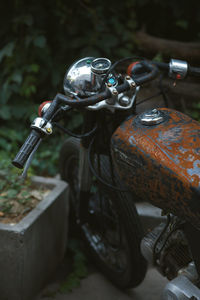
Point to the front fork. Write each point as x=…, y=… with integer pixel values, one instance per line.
x=85, y=176
x=84, y=173
x=85, y=182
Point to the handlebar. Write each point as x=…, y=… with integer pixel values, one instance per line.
x=26, y=149
x=150, y=70
x=191, y=71
x=34, y=137
x=194, y=71
x=151, y=73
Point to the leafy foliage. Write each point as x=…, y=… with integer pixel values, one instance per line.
x=194, y=111
x=40, y=39
x=178, y=20
x=79, y=271
x=11, y=186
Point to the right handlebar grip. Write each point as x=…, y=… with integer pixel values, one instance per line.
x=194, y=71
x=26, y=149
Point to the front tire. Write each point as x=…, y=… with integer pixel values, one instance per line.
x=113, y=231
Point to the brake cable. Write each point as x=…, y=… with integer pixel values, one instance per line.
x=117, y=63
x=79, y=136
x=100, y=179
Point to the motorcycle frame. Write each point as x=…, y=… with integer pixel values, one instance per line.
x=85, y=174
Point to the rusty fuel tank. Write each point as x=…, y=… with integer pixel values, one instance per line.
x=160, y=163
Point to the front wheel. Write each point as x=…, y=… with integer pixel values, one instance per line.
x=112, y=231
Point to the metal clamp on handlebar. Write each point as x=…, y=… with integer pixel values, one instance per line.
x=40, y=125
x=131, y=82
x=112, y=89
x=178, y=69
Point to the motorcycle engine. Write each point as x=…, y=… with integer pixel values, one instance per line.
x=167, y=248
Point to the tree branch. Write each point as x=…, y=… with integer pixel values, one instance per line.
x=183, y=50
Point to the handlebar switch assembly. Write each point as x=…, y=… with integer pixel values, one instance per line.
x=40, y=125
x=178, y=69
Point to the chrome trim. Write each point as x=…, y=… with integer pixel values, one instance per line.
x=130, y=81
x=152, y=117
x=82, y=79
x=124, y=101
x=78, y=78
x=41, y=125
x=45, y=107
x=181, y=288
x=116, y=105
x=178, y=67
x=100, y=71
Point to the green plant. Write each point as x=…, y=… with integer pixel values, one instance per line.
x=17, y=197
x=194, y=111
x=39, y=40
x=79, y=268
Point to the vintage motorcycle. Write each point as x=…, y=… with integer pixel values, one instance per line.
x=121, y=157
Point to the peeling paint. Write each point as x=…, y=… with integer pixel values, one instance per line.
x=166, y=160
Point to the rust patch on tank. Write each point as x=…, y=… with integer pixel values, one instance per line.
x=161, y=163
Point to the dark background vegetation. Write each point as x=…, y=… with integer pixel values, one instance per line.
x=40, y=39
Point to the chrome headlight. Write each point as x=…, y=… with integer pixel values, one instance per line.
x=85, y=76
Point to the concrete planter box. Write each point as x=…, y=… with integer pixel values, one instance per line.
x=32, y=249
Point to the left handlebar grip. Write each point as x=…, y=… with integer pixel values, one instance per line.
x=26, y=149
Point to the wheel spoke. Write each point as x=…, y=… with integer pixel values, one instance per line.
x=108, y=229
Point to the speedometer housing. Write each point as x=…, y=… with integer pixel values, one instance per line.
x=85, y=76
